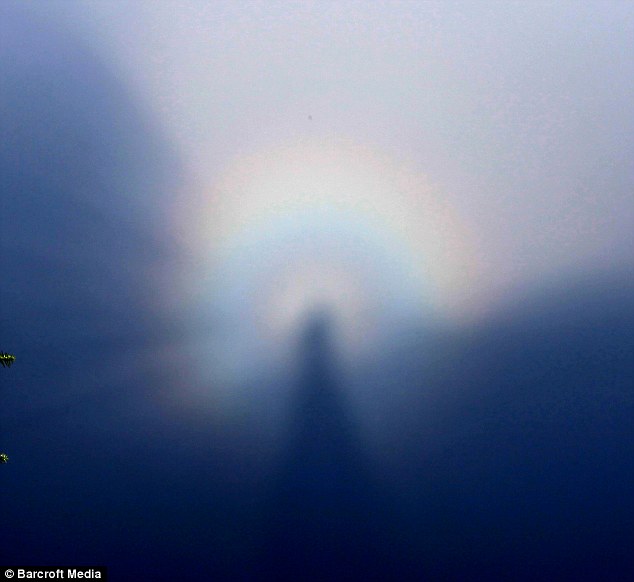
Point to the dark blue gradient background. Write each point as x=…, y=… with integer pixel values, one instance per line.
x=505, y=449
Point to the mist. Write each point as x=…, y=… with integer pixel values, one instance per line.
x=318, y=291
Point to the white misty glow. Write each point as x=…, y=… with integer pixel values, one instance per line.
x=315, y=287
x=518, y=116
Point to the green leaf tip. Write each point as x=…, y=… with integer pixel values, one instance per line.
x=6, y=359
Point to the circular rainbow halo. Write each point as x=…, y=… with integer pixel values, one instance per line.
x=325, y=225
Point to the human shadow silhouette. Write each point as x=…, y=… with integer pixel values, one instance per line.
x=325, y=512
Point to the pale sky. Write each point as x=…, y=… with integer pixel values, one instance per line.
x=490, y=142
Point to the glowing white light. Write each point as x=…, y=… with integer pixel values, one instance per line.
x=330, y=226
x=319, y=286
